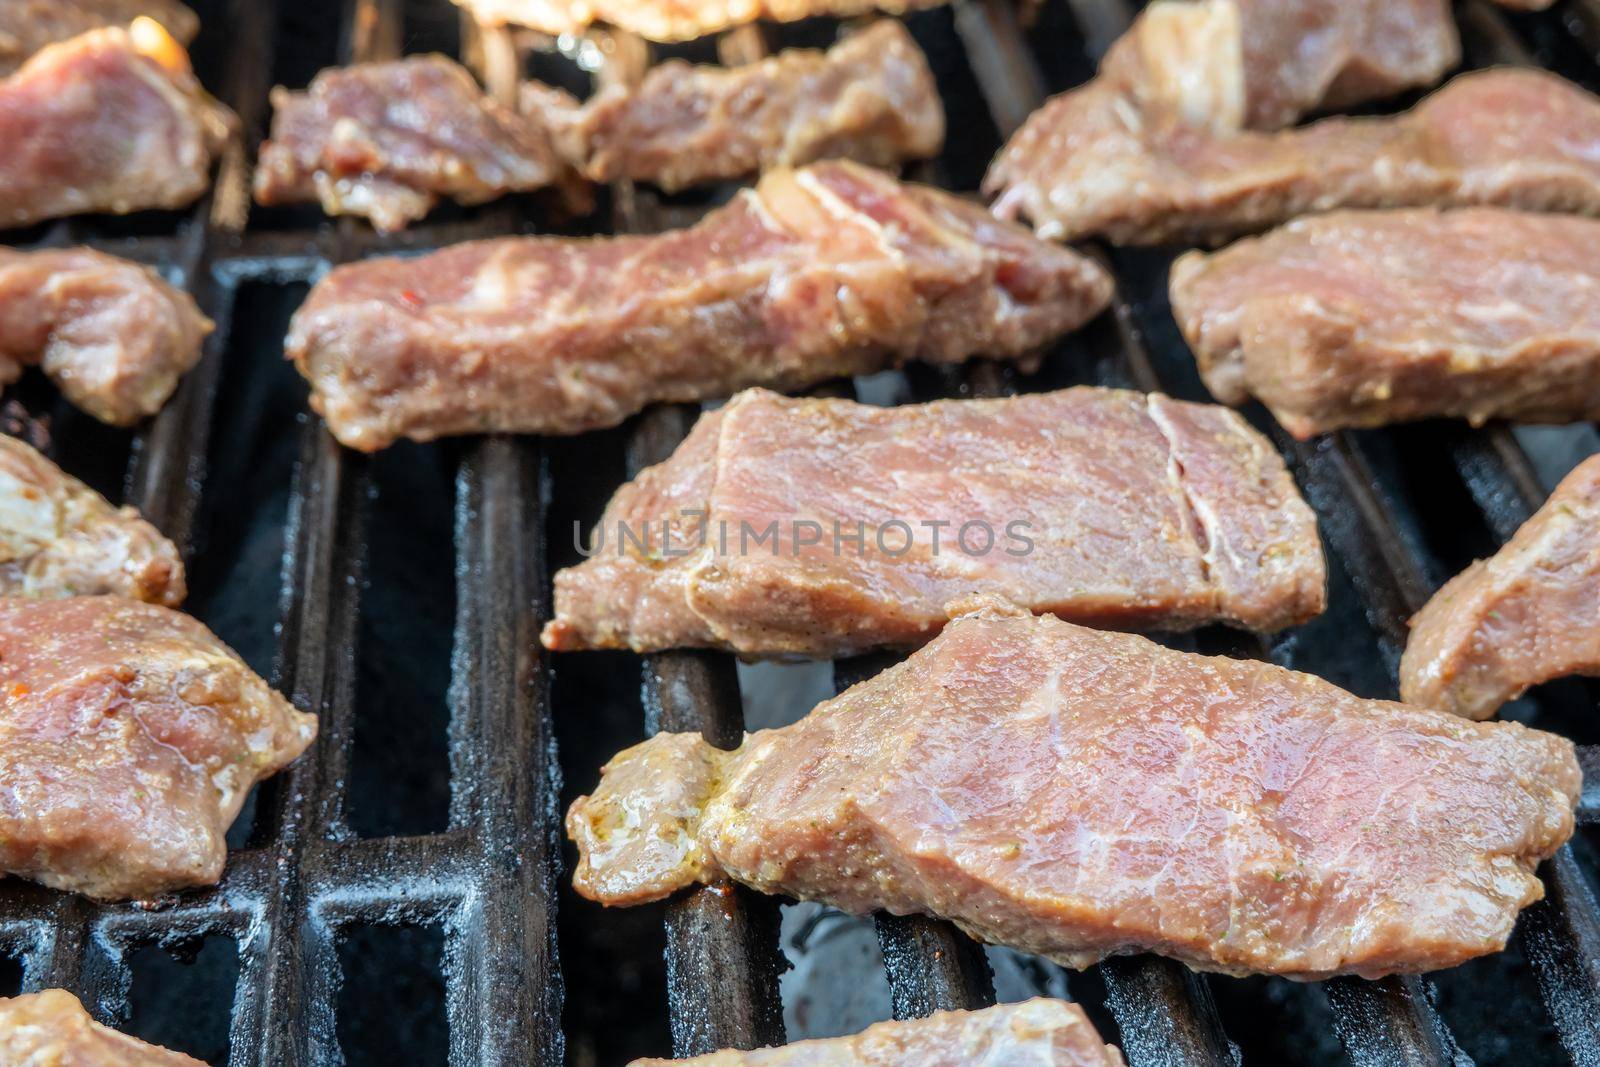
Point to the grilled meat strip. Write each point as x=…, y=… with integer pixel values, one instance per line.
x=870, y=98
x=1104, y=506
x=1045, y=1033
x=1261, y=64
x=834, y=269
x=1364, y=318
x=112, y=120
x=1527, y=614
x=52, y=1029
x=60, y=538
x=671, y=20
x=129, y=738
x=1089, y=163
x=29, y=25
x=1078, y=793
x=112, y=335
x=387, y=140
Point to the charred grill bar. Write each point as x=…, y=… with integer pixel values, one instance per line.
x=489, y=878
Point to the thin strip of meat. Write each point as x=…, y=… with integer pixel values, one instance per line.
x=112, y=120
x=1365, y=318
x=870, y=98
x=1261, y=64
x=672, y=20
x=831, y=270
x=29, y=25
x=1078, y=793
x=1104, y=506
x=1527, y=614
x=1040, y=1032
x=1090, y=163
x=60, y=538
x=387, y=140
x=129, y=737
x=112, y=335
x=52, y=1029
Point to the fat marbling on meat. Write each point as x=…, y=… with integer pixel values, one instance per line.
x=28, y=25
x=1038, y=1032
x=387, y=140
x=112, y=120
x=52, y=1029
x=60, y=538
x=671, y=20
x=870, y=98
x=112, y=335
x=830, y=270
x=1079, y=793
x=129, y=738
x=1527, y=614
x=1104, y=506
x=1363, y=318
x=1090, y=163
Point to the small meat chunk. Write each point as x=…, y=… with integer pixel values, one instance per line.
x=1092, y=164
x=1105, y=506
x=1078, y=794
x=870, y=98
x=52, y=1029
x=672, y=20
x=830, y=270
x=112, y=120
x=387, y=140
x=112, y=335
x=1039, y=1032
x=28, y=25
x=60, y=538
x=1364, y=318
x=129, y=737
x=1527, y=614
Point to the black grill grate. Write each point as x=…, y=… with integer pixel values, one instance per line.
x=488, y=878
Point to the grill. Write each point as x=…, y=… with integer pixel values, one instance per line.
x=396, y=892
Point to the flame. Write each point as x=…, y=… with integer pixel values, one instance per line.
x=151, y=39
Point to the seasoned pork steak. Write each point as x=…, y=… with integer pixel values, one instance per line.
x=834, y=269
x=1039, y=1032
x=1261, y=64
x=1090, y=163
x=112, y=120
x=60, y=538
x=387, y=140
x=113, y=335
x=1527, y=614
x=1363, y=318
x=129, y=738
x=52, y=1029
x=28, y=25
x=672, y=20
x=1077, y=793
x=870, y=98
x=1101, y=505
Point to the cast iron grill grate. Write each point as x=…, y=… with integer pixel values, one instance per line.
x=487, y=877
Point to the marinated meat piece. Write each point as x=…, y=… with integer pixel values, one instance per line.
x=1527, y=614
x=1078, y=793
x=60, y=538
x=870, y=98
x=52, y=1029
x=1363, y=318
x=835, y=269
x=128, y=740
x=672, y=20
x=1089, y=163
x=112, y=120
x=1105, y=506
x=28, y=25
x=112, y=335
x=1046, y=1033
x=1261, y=64
x=387, y=140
